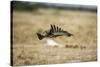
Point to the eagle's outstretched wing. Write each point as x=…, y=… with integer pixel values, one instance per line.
x=57, y=31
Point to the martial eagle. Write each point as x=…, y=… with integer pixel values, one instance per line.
x=54, y=31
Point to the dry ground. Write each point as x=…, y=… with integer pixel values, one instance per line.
x=27, y=49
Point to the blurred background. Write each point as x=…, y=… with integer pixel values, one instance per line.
x=28, y=18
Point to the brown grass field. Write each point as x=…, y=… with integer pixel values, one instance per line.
x=29, y=50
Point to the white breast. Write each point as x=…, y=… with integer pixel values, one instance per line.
x=50, y=42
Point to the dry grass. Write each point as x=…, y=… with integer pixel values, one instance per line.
x=27, y=49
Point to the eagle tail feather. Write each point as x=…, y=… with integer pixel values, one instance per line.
x=40, y=36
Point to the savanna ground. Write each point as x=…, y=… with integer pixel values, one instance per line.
x=29, y=50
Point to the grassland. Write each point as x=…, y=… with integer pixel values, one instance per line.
x=28, y=49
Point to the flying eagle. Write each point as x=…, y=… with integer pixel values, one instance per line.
x=54, y=31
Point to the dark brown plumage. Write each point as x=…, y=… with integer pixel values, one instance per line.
x=54, y=31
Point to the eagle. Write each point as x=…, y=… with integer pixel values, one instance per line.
x=54, y=31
